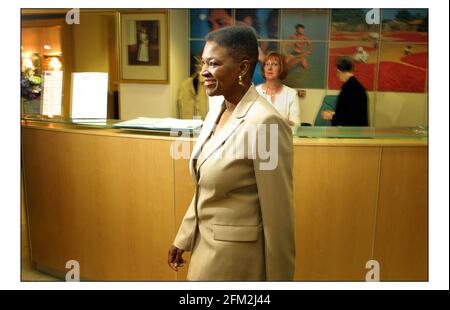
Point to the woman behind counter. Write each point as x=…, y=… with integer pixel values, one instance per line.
x=284, y=98
x=240, y=223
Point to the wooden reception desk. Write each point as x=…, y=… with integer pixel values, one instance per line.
x=113, y=200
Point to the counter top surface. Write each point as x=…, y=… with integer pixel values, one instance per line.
x=303, y=136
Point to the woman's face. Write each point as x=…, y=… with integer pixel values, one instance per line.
x=272, y=68
x=219, y=18
x=219, y=70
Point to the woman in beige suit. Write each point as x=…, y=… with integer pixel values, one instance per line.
x=240, y=223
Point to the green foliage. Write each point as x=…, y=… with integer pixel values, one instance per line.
x=351, y=17
x=404, y=15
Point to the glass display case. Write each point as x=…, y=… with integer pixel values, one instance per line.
x=91, y=122
x=298, y=132
x=361, y=132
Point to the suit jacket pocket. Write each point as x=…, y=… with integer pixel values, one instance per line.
x=235, y=233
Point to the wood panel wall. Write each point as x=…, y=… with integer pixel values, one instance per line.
x=114, y=203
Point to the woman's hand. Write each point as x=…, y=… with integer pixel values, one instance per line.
x=327, y=115
x=175, y=258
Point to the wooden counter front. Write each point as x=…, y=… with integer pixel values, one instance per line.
x=113, y=201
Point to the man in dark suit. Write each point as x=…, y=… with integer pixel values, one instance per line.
x=351, y=107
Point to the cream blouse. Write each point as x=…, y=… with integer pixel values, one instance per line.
x=286, y=102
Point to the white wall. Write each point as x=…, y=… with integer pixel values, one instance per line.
x=159, y=100
x=150, y=100
x=400, y=109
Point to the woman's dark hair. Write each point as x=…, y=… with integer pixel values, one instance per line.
x=281, y=60
x=344, y=64
x=240, y=41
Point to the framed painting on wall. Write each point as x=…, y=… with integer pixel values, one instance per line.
x=143, y=45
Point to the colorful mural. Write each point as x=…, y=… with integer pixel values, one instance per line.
x=390, y=56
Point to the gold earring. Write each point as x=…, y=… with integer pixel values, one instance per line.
x=240, y=81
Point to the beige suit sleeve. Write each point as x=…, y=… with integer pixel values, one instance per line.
x=276, y=203
x=186, y=232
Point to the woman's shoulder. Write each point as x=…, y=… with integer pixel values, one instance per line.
x=289, y=92
x=262, y=110
x=259, y=87
x=262, y=113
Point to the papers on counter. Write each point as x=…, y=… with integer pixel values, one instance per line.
x=90, y=121
x=163, y=124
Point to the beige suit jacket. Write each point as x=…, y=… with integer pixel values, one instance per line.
x=240, y=223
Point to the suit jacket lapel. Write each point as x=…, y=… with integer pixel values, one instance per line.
x=237, y=118
x=218, y=141
x=208, y=126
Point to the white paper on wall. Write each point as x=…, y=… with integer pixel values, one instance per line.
x=89, y=95
x=52, y=94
